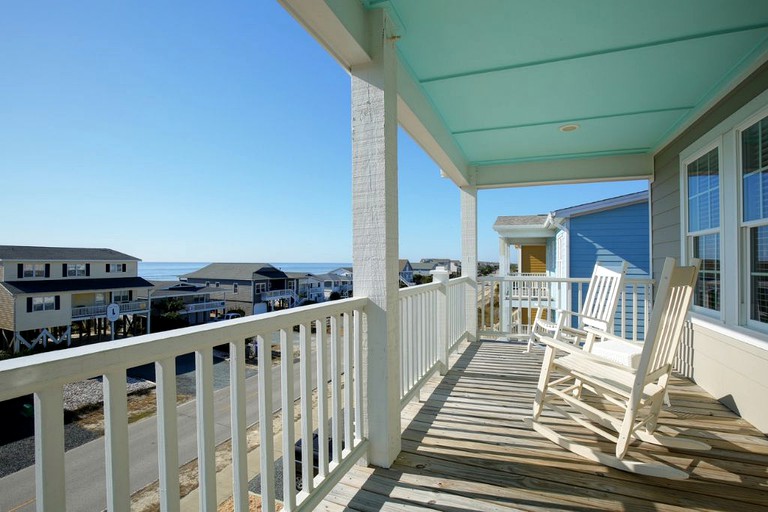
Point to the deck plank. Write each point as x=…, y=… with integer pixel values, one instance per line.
x=465, y=447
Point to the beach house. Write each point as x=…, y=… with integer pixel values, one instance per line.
x=46, y=293
x=498, y=94
x=567, y=243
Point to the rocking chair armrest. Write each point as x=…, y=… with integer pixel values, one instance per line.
x=579, y=352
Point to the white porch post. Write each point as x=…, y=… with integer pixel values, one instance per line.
x=503, y=272
x=469, y=254
x=375, y=234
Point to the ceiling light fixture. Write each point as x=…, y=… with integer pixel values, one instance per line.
x=569, y=127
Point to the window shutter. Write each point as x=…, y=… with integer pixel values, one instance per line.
x=58, y=302
x=130, y=295
x=63, y=270
x=29, y=304
x=47, y=270
x=125, y=267
x=20, y=270
x=107, y=268
x=87, y=269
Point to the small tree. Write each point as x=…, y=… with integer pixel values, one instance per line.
x=334, y=296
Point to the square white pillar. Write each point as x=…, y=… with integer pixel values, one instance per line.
x=375, y=235
x=469, y=254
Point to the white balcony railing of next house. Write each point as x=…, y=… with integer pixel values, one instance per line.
x=196, y=307
x=100, y=310
x=328, y=401
x=509, y=304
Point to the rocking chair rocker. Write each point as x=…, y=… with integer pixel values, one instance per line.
x=638, y=392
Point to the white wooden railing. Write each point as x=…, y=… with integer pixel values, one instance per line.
x=204, y=306
x=433, y=321
x=336, y=375
x=101, y=309
x=508, y=304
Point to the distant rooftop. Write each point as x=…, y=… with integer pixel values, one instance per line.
x=235, y=271
x=28, y=252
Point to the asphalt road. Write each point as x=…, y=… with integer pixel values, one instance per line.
x=84, y=465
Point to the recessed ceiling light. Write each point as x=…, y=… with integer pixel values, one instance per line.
x=569, y=127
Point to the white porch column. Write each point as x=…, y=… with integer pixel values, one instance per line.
x=469, y=254
x=503, y=272
x=375, y=235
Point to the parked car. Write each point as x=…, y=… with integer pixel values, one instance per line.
x=315, y=464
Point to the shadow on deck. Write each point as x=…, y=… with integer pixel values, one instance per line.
x=466, y=448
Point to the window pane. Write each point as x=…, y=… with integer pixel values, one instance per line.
x=754, y=169
x=707, y=249
x=758, y=273
x=704, y=193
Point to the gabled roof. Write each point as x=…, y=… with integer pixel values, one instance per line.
x=33, y=253
x=236, y=272
x=402, y=264
x=421, y=266
x=74, y=285
x=603, y=204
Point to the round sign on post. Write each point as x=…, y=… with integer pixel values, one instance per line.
x=113, y=312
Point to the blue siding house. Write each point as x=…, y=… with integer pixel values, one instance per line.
x=577, y=237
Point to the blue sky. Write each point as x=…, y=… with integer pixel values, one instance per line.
x=201, y=131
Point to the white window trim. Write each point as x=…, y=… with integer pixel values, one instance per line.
x=686, y=158
x=732, y=320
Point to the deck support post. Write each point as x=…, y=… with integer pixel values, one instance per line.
x=506, y=323
x=441, y=275
x=469, y=255
x=375, y=235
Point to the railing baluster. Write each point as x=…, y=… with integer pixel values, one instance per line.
x=348, y=382
x=358, y=377
x=623, y=315
x=238, y=425
x=206, y=441
x=322, y=398
x=116, y=441
x=289, y=435
x=267, y=448
x=305, y=376
x=167, y=434
x=49, y=449
x=635, y=305
x=335, y=390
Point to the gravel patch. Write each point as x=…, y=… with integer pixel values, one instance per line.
x=91, y=392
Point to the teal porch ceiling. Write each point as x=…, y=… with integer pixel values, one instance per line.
x=504, y=75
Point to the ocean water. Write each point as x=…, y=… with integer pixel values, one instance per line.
x=170, y=271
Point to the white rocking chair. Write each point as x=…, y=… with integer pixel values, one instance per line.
x=638, y=392
x=597, y=311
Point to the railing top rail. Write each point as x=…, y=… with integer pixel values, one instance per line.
x=24, y=375
x=552, y=279
x=416, y=290
x=459, y=280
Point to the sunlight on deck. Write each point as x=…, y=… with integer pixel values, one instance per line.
x=466, y=448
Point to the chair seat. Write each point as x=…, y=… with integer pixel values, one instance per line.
x=605, y=376
x=618, y=352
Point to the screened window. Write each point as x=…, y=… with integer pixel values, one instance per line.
x=703, y=188
x=76, y=270
x=120, y=296
x=34, y=270
x=43, y=303
x=754, y=176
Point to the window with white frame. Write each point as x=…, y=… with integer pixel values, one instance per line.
x=703, y=225
x=34, y=270
x=76, y=270
x=754, y=216
x=43, y=303
x=115, y=267
x=121, y=296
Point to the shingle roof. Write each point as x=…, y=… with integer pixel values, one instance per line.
x=74, y=285
x=26, y=252
x=421, y=266
x=521, y=220
x=178, y=289
x=235, y=271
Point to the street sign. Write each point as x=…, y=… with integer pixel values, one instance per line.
x=113, y=312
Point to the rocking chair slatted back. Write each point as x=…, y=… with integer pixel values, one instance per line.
x=666, y=324
x=602, y=298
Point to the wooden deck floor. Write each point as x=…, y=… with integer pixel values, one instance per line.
x=466, y=448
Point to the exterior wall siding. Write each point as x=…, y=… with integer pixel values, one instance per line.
x=609, y=237
x=718, y=358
